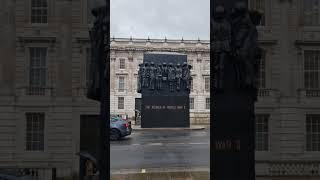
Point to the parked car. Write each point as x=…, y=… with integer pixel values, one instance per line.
x=119, y=128
x=9, y=177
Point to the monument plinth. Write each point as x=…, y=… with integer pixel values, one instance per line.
x=164, y=83
x=234, y=46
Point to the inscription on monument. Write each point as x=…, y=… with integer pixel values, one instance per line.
x=165, y=107
x=227, y=145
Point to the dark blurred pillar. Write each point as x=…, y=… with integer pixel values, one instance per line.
x=232, y=123
x=99, y=81
x=54, y=174
x=104, y=153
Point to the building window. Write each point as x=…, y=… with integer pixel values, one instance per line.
x=120, y=102
x=88, y=65
x=121, y=84
x=262, y=132
x=207, y=84
x=35, y=132
x=259, y=5
x=191, y=84
x=37, y=71
x=191, y=103
x=311, y=12
x=140, y=60
x=136, y=82
x=122, y=63
x=207, y=65
x=39, y=11
x=311, y=69
x=130, y=57
x=313, y=132
x=207, y=103
x=190, y=62
x=262, y=71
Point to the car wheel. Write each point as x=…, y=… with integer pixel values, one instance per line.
x=114, y=134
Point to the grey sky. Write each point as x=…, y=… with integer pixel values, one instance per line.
x=159, y=18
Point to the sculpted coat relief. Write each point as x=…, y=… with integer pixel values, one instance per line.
x=235, y=44
x=164, y=76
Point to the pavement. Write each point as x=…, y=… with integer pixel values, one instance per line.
x=189, y=175
x=164, y=151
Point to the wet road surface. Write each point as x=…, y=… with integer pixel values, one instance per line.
x=161, y=149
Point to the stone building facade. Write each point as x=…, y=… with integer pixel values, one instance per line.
x=127, y=53
x=44, y=51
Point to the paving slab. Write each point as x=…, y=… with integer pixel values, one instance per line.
x=163, y=176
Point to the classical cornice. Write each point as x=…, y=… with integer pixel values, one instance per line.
x=128, y=44
x=140, y=40
x=168, y=45
x=282, y=1
x=122, y=73
x=36, y=39
x=173, y=49
x=267, y=42
x=307, y=43
x=83, y=40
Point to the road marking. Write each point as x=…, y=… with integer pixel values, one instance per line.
x=160, y=170
x=198, y=143
x=160, y=144
x=175, y=143
x=155, y=144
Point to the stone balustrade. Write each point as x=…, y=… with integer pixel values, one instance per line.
x=313, y=93
x=309, y=93
x=290, y=168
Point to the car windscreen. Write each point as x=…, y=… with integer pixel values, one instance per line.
x=115, y=119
